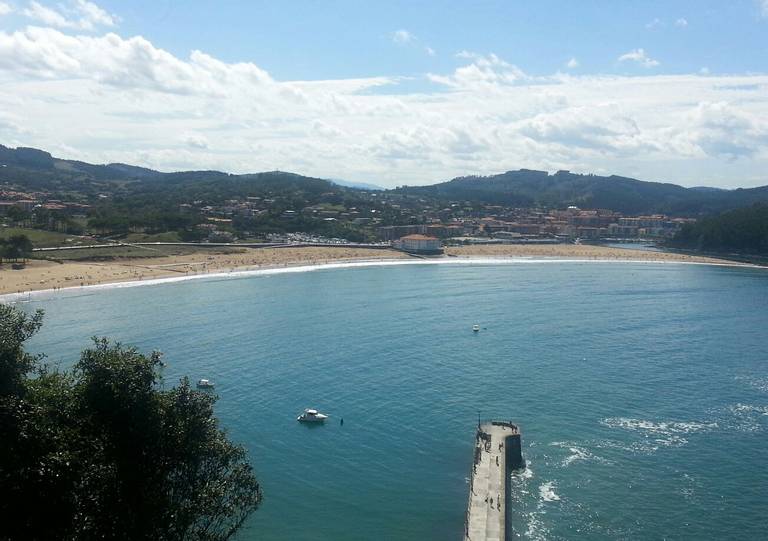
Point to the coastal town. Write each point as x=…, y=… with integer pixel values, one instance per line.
x=74, y=245
x=500, y=225
x=62, y=229
x=460, y=221
x=378, y=216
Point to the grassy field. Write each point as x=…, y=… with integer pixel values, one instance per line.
x=44, y=239
x=128, y=252
x=170, y=236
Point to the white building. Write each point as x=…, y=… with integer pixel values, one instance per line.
x=419, y=244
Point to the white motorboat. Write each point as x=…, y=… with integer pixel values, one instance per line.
x=311, y=416
x=204, y=384
x=476, y=328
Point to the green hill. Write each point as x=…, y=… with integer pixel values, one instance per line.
x=128, y=185
x=33, y=169
x=527, y=188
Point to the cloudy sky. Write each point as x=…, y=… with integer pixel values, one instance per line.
x=394, y=92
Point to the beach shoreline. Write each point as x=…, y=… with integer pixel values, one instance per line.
x=41, y=276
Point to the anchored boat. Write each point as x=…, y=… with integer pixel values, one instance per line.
x=311, y=416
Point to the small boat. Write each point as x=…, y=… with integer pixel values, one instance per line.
x=204, y=384
x=311, y=416
x=476, y=328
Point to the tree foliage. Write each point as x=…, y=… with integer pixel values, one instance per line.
x=101, y=452
x=742, y=230
x=527, y=188
x=16, y=247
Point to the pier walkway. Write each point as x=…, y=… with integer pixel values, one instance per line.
x=497, y=447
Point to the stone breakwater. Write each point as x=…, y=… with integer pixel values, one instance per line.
x=497, y=448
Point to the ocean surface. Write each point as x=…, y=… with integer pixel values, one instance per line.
x=641, y=390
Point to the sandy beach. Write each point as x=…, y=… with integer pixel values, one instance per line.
x=40, y=275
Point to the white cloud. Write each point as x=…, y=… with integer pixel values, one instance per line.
x=427, y=143
x=137, y=103
x=484, y=72
x=601, y=128
x=324, y=129
x=128, y=63
x=655, y=23
x=763, y=4
x=195, y=140
x=46, y=15
x=93, y=15
x=639, y=56
x=572, y=63
x=430, y=51
x=724, y=130
x=704, y=70
x=401, y=37
x=78, y=14
x=5, y=8
x=12, y=125
x=682, y=23
x=467, y=54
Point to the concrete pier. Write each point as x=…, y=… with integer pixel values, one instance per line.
x=497, y=448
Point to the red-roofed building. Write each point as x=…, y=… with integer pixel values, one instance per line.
x=419, y=244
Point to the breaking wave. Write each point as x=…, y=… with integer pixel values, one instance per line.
x=578, y=453
x=244, y=272
x=547, y=492
x=669, y=428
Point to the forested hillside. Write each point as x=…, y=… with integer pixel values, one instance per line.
x=742, y=230
x=527, y=188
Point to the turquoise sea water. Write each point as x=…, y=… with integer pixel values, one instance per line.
x=641, y=390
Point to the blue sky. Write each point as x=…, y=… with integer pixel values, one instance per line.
x=394, y=92
x=348, y=39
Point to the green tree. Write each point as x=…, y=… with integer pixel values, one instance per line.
x=101, y=452
x=15, y=329
x=16, y=247
x=18, y=214
x=743, y=230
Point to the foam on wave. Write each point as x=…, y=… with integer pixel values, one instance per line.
x=16, y=297
x=667, y=428
x=547, y=492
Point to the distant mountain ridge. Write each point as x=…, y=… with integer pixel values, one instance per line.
x=38, y=169
x=32, y=158
x=529, y=188
x=359, y=185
